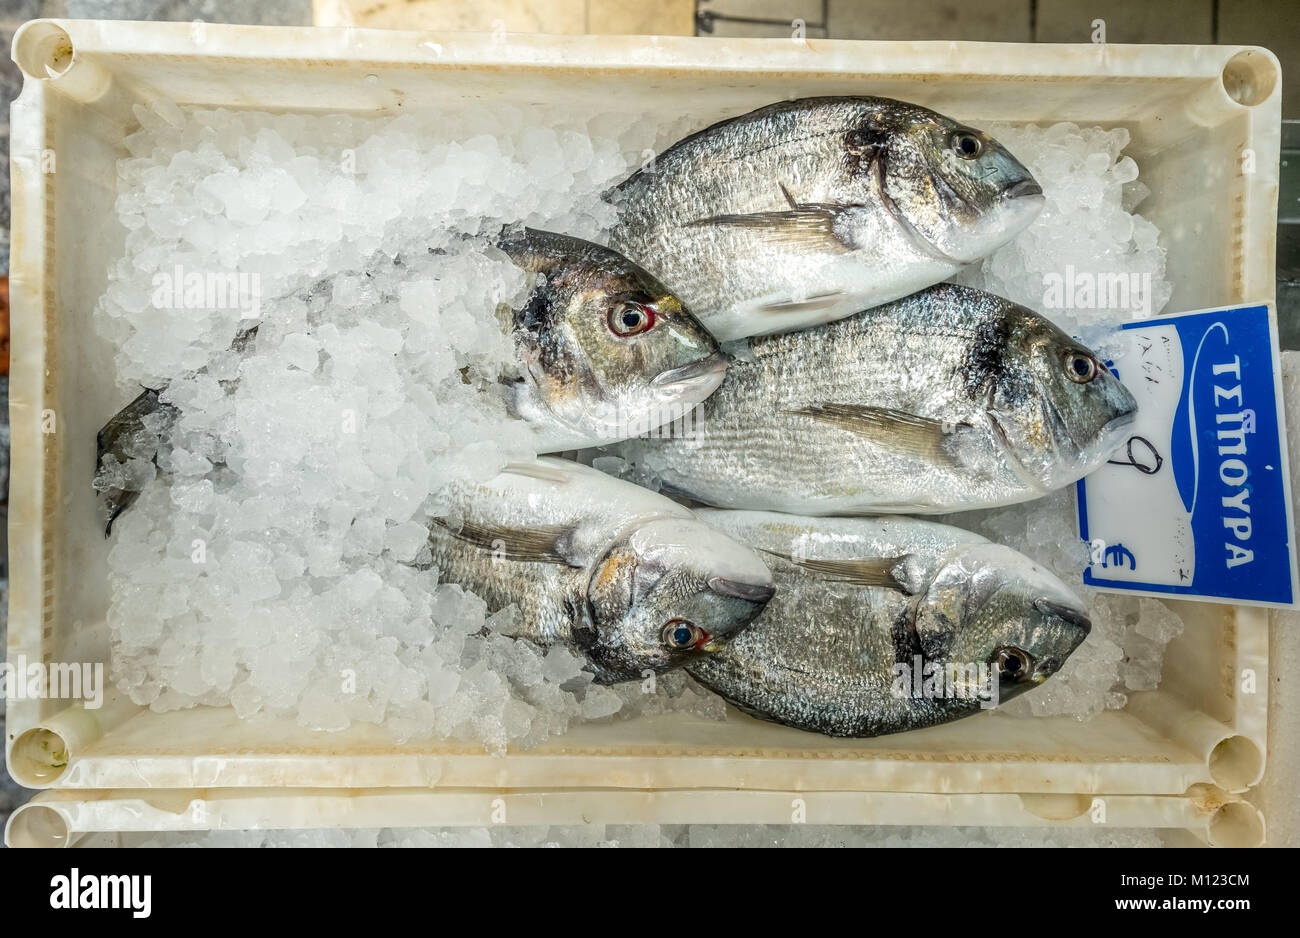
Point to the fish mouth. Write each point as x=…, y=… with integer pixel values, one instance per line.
x=699, y=377
x=1113, y=432
x=1022, y=189
x=1067, y=614
x=1127, y=415
x=750, y=592
x=1123, y=420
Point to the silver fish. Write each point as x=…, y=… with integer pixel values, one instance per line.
x=130, y=440
x=806, y=211
x=606, y=351
x=120, y=441
x=947, y=400
x=881, y=625
x=631, y=579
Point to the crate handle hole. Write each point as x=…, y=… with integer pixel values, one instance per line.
x=1236, y=763
x=1056, y=807
x=1238, y=824
x=43, y=50
x=37, y=825
x=38, y=758
x=1250, y=77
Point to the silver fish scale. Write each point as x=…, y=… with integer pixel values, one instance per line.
x=749, y=450
x=820, y=657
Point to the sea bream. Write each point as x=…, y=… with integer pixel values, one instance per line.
x=881, y=625
x=604, y=352
x=947, y=400
x=630, y=579
x=809, y=210
x=127, y=446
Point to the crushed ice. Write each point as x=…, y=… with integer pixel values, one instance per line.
x=268, y=566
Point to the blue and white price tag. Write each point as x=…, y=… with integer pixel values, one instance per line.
x=1197, y=502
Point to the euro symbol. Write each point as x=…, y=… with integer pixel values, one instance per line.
x=1116, y=554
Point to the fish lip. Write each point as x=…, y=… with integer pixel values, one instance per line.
x=1122, y=420
x=1023, y=189
x=751, y=592
x=1068, y=614
x=701, y=373
x=1112, y=433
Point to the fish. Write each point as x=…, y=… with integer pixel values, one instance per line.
x=626, y=577
x=810, y=210
x=947, y=400
x=604, y=352
x=121, y=442
x=131, y=438
x=883, y=625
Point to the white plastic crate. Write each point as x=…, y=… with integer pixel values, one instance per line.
x=66, y=818
x=1192, y=112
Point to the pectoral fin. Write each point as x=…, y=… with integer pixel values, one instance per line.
x=540, y=471
x=811, y=304
x=808, y=224
x=923, y=438
x=869, y=571
x=547, y=544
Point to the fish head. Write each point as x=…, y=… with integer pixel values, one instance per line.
x=607, y=347
x=995, y=608
x=667, y=591
x=1060, y=412
x=957, y=192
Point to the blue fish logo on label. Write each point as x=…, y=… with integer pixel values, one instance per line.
x=1197, y=501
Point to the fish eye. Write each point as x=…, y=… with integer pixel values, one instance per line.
x=1081, y=367
x=629, y=319
x=1012, y=662
x=681, y=634
x=966, y=145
